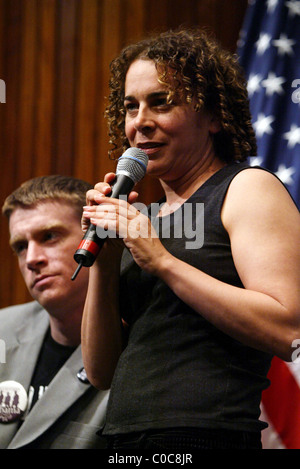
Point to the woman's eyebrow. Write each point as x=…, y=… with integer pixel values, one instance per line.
x=155, y=94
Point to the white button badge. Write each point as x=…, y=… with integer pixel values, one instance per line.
x=13, y=401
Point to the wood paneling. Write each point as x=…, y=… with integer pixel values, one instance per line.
x=54, y=58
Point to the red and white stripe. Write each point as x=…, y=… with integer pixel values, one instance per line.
x=281, y=406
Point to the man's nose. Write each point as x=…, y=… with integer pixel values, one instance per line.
x=35, y=255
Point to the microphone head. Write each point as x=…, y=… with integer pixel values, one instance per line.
x=133, y=163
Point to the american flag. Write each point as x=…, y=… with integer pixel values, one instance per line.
x=269, y=51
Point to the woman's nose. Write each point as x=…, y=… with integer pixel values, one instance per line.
x=144, y=119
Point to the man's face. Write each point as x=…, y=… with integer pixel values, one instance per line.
x=45, y=237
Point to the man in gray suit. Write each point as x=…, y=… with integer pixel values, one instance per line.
x=45, y=398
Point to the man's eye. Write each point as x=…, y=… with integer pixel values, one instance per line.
x=19, y=248
x=49, y=236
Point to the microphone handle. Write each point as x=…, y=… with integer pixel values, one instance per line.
x=89, y=247
x=91, y=243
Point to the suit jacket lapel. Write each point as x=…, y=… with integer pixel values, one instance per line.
x=20, y=363
x=62, y=392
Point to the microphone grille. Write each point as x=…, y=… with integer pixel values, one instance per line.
x=134, y=163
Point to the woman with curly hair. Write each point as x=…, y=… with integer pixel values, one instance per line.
x=184, y=332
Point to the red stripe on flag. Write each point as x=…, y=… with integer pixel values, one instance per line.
x=282, y=403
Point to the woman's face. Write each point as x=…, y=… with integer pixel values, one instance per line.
x=175, y=136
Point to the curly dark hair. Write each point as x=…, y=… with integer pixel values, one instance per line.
x=201, y=71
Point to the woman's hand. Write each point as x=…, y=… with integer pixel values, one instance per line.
x=123, y=220
x=95, y=197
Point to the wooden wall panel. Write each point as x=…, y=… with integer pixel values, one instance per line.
x=85, y=125
x=54, y=58
x=45, y=87
x=65, y=86
x=27, y=90
x=10, y=68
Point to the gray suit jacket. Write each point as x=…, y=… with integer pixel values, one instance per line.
x=70, y=412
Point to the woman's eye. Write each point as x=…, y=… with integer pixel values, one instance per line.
x=161, y=102
x=130, y=107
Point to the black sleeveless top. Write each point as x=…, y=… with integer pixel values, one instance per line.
x=178, y=370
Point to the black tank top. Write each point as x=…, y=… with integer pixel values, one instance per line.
x=178, y=370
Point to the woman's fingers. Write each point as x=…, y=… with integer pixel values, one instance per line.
x=109, y=178
x=106, y=214
x=118, y=216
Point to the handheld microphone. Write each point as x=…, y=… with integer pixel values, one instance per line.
x=131, y=168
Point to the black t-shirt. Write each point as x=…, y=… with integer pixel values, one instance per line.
x=51, y=358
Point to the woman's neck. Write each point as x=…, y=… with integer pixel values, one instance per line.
x=178, y=191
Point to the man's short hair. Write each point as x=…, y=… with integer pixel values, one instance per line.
x=40, y=189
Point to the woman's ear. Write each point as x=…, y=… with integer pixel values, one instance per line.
x=215, y=125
